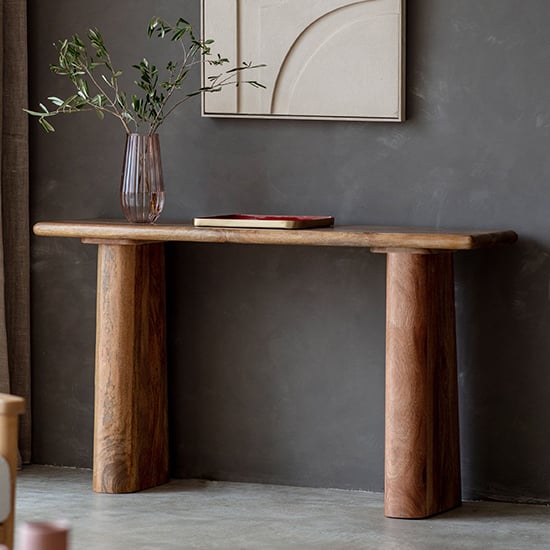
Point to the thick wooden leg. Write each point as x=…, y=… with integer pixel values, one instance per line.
x=422, y=461
x=130, y=424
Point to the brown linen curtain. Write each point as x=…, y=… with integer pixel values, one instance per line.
x=14, y=212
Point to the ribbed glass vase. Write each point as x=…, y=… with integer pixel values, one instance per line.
x=142, y=186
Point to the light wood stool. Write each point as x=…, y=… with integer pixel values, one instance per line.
x=10, y=408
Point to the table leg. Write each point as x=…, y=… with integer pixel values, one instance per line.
x=422, y=458
x=130, y=421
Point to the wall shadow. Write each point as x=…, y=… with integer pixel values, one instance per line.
x=276, y=361
x=503, y=320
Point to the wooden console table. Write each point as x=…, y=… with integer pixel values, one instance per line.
x=422, y=456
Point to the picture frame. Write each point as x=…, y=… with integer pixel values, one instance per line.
x=324, y=59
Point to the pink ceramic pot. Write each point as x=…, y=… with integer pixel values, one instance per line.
x=37, y=535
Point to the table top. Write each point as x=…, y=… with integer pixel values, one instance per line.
x=355, y=236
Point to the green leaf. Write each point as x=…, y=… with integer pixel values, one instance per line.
x=46, y=125
x=56, y=101
x=178, y=35
x=35, y=113
x=160, y=26
x=98, y=100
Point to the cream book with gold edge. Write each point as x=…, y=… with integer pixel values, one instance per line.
x=264, y=221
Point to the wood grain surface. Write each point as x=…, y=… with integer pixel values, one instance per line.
x=354, y=236
x=422, y=462
x=422, y=458
x=131, y=425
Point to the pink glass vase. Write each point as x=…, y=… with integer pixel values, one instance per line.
x=142, y=186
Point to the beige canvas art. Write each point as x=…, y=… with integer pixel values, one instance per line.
x=324, y=59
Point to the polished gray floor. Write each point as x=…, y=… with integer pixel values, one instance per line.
x=212, y=515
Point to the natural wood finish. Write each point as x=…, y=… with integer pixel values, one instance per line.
x=422, y=458
x=132, y=242
x=11, y=407
x=422, y=467
x=131, y=425
x=385, y=250
x=356, y=236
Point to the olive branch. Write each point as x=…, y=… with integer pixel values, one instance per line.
x=96, y=80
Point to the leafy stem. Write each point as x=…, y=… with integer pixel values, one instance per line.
x=96, y=81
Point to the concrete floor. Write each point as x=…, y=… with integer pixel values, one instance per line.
x=210, y=515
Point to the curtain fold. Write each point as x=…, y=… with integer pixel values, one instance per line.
x=14, y=211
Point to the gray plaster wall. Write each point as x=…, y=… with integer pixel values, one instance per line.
x=276, y=355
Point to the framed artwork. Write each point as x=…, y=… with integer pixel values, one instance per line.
x=325, y=59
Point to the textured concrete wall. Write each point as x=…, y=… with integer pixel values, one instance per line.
x=276, y=356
